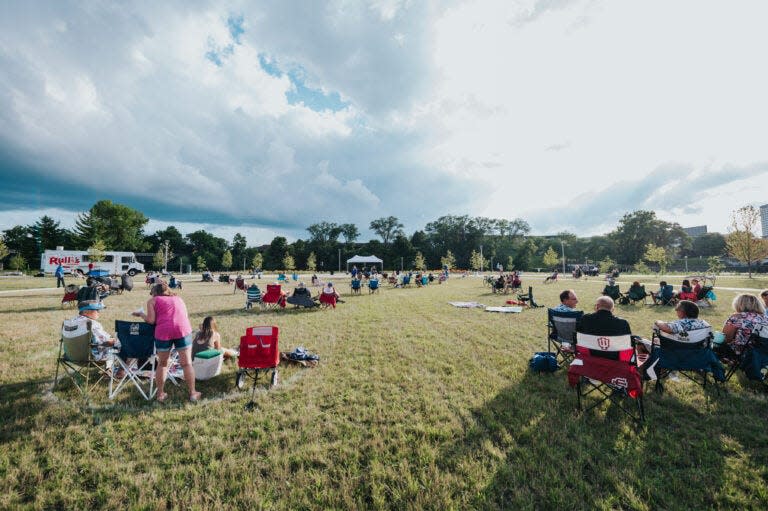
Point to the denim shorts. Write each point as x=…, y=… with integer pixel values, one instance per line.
x=181, y=343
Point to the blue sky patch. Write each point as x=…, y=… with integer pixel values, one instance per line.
x=314, y=99
x=235, y=25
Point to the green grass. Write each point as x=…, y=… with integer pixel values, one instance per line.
x=414, y=405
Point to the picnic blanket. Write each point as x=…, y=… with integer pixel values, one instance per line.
x=503, y=309
x=467, y=305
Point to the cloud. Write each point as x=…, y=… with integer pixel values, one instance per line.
x=670, y=190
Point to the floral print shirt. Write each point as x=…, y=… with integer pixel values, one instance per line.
x=745, y=323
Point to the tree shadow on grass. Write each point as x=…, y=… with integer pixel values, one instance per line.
x=543, y=454
x=20, y=404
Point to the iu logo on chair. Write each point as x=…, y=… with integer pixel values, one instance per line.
x=603, y=342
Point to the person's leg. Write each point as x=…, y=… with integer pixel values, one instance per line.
x=185, y=359
x=161, y=372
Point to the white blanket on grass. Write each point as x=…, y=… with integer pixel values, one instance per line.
x=467, y=305
x=503, y=309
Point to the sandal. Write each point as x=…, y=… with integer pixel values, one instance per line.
x=195, y=397
x=161, y=397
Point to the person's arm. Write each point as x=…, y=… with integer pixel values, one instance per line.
x=663, y=326
x=216, y=340
x=729, y=329
x=149, y=316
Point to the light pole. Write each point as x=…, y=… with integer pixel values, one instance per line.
x=562, y=248
x=686, y=264
x=165, y=255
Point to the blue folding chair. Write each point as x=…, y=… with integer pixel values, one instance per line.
x=136, y=359
x=373, y=286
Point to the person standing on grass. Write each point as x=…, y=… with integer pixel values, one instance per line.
x=59, y=273
x=168, y=313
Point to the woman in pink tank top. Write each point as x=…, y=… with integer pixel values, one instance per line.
x=172, y=329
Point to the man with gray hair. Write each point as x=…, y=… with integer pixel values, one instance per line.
x=602, y=321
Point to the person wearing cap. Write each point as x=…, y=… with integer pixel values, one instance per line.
x=102, y=341
x=330, y=290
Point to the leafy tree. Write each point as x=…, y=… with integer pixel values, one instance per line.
x=273, y=257
x=200, y=263
x=288, y=263
x=742, y=242
x=226, y=260
x=96, y=251
x=311, y=262
x=639, y=228
x=119, y=227
x=657, y=255
x=710, y=244
x=3, y=251
x=606, y=265
x=158, y=260
x=350, y=233
x=387, y=228
x=324, y=232
x=448, y=260
x=550, y=258
x=510, y=263
x=476, y=261
x=17, y=263
x=49, y=234
x=459, y=234
x=715, y=265
x=239, y=244
x=418, y=262
x=524, y=254
x=170, y=234
x=642, y=268
x=20, y=240
x=257, y=260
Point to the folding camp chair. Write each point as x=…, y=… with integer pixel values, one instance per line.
x=259, y=354
x=406, y=280
x=137, y=340
x=239, y=284
x=273, y=298
x=613, y=291
x=753, y=359
x=529, y=298
x=282, y=278
x=355, y=286
x=606, y=367
x=373, y=286
x=689, y=353
x=636, y=294
x=77, y=360
x=252, y=295
x=70, y=295
x=561, y=334
x=328, y=300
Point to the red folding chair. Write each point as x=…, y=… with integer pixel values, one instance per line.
x=274, y=297
x=328, y=300
x=259, y=354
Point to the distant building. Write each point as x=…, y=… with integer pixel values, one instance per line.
x=699, y=230
x=764, y=219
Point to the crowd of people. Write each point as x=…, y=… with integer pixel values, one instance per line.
x=749, y=315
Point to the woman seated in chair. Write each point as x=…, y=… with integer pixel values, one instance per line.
x=686, y=292
x=208, y=338
x=749, y=316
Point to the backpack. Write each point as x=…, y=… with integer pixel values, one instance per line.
x=543, y=362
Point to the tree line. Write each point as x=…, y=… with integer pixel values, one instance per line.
x=458, y=241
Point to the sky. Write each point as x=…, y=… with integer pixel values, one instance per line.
x=266, y=117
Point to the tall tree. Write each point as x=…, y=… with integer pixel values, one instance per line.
x=550, y=258
x=49, y=234
x=273, y=257
x=657, y=255
x=350, y=233
x=226, y=260
x=639, y=228
x=119, y=227
x=239, y=245
x=387, y=228
x=742, y=242
x=710, y=244
x=3, y=251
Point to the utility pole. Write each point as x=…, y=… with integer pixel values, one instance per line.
x=339, y=260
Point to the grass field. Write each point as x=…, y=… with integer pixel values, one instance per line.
x=414, y=405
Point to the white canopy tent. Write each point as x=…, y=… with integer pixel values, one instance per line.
x=365, y=260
